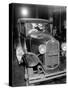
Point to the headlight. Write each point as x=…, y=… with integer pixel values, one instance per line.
x=63, y=46
x=42, y=49
x=19, y=53
x=53, y=40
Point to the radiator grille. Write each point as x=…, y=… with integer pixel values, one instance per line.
x=52, y=55
x=52, y=47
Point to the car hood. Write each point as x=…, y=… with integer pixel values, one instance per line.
x=41, y=35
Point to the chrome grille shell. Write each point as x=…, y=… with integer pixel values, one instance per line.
x=52, y=55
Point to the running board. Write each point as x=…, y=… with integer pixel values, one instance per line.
x=40, y=78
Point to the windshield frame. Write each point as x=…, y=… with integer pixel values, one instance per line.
x=37, y=30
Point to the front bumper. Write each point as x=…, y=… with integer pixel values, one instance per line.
x=40, y=78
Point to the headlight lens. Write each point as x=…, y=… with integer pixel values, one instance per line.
x=42, y=49
x=63, y=46
x=19, y=53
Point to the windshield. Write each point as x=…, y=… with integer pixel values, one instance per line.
x=36, y=28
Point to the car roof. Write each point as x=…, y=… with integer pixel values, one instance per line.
x=36, y=20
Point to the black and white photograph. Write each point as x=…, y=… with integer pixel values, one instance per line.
x=37, y=44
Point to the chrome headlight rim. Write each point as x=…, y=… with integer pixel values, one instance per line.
x=19, y=53
x=63, y=46
x=42, y=48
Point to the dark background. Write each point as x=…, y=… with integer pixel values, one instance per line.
x=56, y=13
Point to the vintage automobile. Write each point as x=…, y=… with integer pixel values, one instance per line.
x=39, y=51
